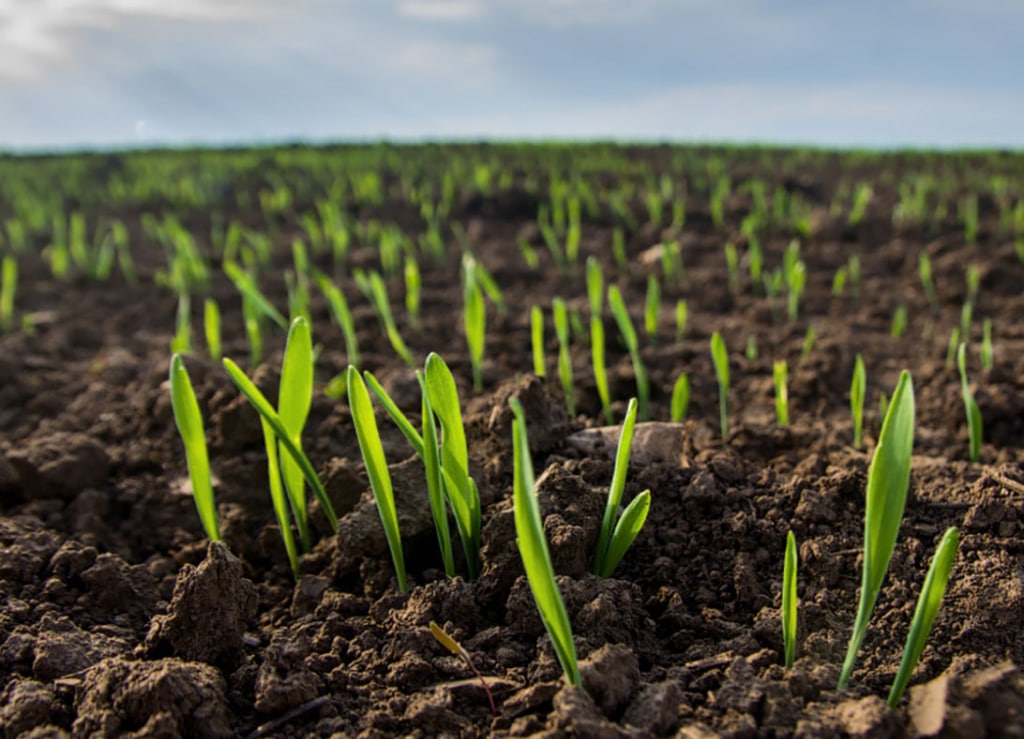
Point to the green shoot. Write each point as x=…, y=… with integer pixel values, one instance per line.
x=293, y=402
x=533, y=549
x=595, y=287
x=796, y=280
x=278, y=497
x=652, y=304
x=413, y=291
x=883, y=404
x=339, y=307
x=462, y=493
x=619, y=250
x=853, y=271
x=924, y=269
x=808, y=345
x=732, y=264
x=973, y=277
x=899, y=321
x=182, y=341
x=435, y=479
x=970, y=406
x=966, y=317
x=211, y=326
x=537, y=340
x=780, y=372
x=720, y=358
x=755, y=259
x=986, y=345
x=449, y=643
x=927, y=609
x=857, y=389
x=529, y=253
x=954, y=342
x=8, y=286
x=681, y=316
x=600, y=373
x=839, y=282
x=750, y=351
x=680, y=397
x=246, y=285
x=888, y=480
x=377, y=292
x=253, y=331
x=625, y=324
x=561, y=319
x=376, y=468
x=615, y=537
x=262, y=406
x=190, y=426
x=789, y=601
x=474, y=319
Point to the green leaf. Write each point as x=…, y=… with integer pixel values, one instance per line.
x=435, y=481
x=720, y=358
x=246, y=285
x=293, y=402
x=928, y=603
x=971, y=408
x=888, y=480
x=626, y=530
x=618, y=484
x=262, y=406
x=789, y=601
x=533, y=549
x=278, y=498
x=376, y=468
x=190, y=426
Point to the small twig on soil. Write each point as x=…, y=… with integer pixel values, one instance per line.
x=268, y=727
x=1013, y=485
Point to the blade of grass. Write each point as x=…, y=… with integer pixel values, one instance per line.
x=190, y=426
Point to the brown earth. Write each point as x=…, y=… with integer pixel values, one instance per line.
x=118, y=619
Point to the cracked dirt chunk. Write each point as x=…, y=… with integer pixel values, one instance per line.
x=611, y=675
x=576, y=714
x=283, y=681
x=24, y=704
x=987, y=702
x=185, y=698
x=62, y=648
x=868, y=718
x=209, y=611
x=656, y=708
x=60, y=465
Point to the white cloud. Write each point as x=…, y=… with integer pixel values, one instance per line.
x=441, y=10
x=453, y=64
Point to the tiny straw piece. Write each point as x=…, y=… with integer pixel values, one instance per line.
x=449, y=643
x=376, y=468
x=190, y=425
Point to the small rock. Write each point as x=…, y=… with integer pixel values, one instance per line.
x=868, y=718
x=656, y=708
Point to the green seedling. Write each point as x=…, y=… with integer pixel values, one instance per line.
x=720, y=358
x=681, y=315
x=625, y=324
x=924, y=269
x=293, y=402
x=537, y=340
x=461, y=490
x=888, y=480
x=750, y=351
x=597, y=341
x=755, y=262
x=373, y=286
x=861, y=197
x=376, y=468
x=182, y=341
x=211, y=327
x=974, y=427
x=251, y=316
x=899, y=322
x=529, y=254
x=780, y=373
x=449, y=643
x=951, y=346
x=8, y=286
x=298, y=282
x=672, y=263
x=839, y=282
x=474, y=319
x=796, y=280
x=973, y=277
x=262, y=406
x=986, y=345
x=927, y=609
x=857, y=390
x=246, y=285
x=533, y=549
x=680, y=397
x=278, y=497
x=595, y=287
x=808, y=345
x=966, y=318
x=789, y=601
x=561, y=320
x=732, y=264
x=619, y=532
x=969, y=216
x=339, y=308
x=413, y=291
x=619, y=250
x=853, y=271
x=190, y=426
x=652, y=305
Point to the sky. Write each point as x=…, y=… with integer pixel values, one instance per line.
x=112, y=73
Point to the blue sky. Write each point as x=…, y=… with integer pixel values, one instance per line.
x=142, y=72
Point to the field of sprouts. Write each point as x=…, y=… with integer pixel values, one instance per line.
x=342, y=442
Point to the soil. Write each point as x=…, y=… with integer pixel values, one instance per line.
x=118, y=618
